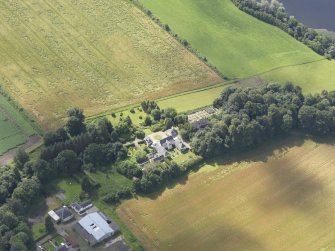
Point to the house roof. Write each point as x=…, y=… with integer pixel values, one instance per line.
x=77, y=207
x=61, y=248
x=171, y=132
x=63, y=213
x=86, y=203
x=164, y=140
x=96, y=225
x=180, y=144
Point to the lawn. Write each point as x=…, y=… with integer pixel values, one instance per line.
x=98, y=55
x=70, y=187
x=236, y=43
x=110, y=181
x=241, y=46
x=313, y=77
x=14, y=127
x=280, y=196
x=189, y=101
x=38, y=230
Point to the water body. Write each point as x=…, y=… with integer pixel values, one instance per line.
x=318, y=14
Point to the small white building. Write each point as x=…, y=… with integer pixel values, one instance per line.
x=54, y=216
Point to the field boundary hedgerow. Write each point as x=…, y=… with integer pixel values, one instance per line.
x=177, y=37
x=21, y=110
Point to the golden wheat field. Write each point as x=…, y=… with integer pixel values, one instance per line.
x=280, y=198
x=97, y=55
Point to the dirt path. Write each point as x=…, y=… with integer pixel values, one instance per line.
x=8, y=156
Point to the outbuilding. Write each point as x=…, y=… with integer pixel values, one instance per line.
x=54, y=216
x=96, y=227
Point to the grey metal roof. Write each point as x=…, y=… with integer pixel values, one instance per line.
x=86, y=203
x=76, y=207
x=96, y=225
x=63, y=212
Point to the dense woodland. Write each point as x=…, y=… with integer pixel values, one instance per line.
x=273, y=12
x=250, y=116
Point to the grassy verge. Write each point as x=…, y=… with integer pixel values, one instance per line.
x=15, y=128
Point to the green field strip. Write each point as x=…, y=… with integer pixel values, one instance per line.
x=237, y=44
x=11, y=142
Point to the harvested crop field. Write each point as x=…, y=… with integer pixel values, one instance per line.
x=281, y=199
x=98, y=55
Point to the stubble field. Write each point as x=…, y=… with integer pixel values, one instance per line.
x=97, y=55
x=278, y=198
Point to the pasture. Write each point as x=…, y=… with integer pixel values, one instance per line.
x=14, y=128
x=236, y=43
x=313, y=77
x=278, y=197
x=242, y=46
x=97, y=55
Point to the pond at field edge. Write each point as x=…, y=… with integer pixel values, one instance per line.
x=318, y=14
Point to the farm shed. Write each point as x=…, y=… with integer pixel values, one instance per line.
x=95, y=228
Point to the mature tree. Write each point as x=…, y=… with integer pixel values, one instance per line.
x=140, y=134
x=168, y=123
x=49, y=225
x=105, y=129
x=140, y=156
x=147, y=121
x=20, y=158
x=170, y=113
x=27, y=191
x=129, y=169
x=9, y=178
x=156, y=114
x=42, y=170
x=75, y=124
x=51, y=138
x=67, y=163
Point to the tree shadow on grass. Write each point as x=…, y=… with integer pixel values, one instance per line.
x=228, y=236
x=294, y=187
x=278, y=145
x=180, y=181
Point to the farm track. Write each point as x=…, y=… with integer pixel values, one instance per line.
x=32, y=141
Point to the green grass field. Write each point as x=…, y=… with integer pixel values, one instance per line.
x=236, y=43
x=241, y=46
x=98, y=55
x=189, y=101
x=313, y=77
x=14, y=128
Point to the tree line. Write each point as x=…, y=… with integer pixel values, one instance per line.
x=15, y=234
x=71, y=149
x=273, y=12
x=250, y=116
